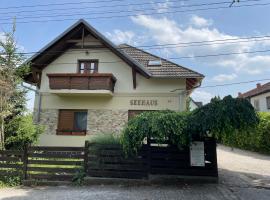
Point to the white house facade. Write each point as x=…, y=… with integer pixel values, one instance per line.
x=259, y=97
x=86, y=85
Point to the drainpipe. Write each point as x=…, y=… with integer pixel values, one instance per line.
x=37, y=92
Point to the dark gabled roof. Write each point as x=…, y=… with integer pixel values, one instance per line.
x=134, y=57
x=260, y=89
x=166, y=69
x=55, y=48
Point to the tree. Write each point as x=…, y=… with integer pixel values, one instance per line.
x=23, y=131
x=11, y=77
x=222, y=116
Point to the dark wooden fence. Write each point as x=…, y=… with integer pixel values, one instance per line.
x=163, y=159
x=11, y=162
x=54, y=163
x=170, y=160
x=109, y=161
x=96, y=160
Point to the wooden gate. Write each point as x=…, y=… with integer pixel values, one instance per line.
x=171, y=160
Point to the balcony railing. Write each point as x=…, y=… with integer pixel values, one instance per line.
x=95, y=81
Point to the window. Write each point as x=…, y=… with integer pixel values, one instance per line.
x=72, y=122
x=154, y=63
x=268, y=102
x=88, y=66
x=257, y=104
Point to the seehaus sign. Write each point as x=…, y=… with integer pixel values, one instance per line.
x=143, y=102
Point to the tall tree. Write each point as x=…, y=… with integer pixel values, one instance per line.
x=11, y=77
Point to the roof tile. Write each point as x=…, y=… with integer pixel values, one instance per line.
x=167, y=69
x=258, y=90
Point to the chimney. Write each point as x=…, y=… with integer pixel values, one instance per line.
x=239, y=94
x=258, y=85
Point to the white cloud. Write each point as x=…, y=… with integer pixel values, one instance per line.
x=164, y=31
x=200, y=22
x=162, y=7
x=118, y=36
x=203, y=96
x=224, y=77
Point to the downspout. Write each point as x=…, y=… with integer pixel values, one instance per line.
x=184, y=91
x=37, y=92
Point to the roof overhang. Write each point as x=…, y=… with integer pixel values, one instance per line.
x=56, y=47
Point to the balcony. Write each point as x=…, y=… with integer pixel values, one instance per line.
x=82, y=84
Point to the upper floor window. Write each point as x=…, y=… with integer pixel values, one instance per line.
x=88, y=66
x=268, y=102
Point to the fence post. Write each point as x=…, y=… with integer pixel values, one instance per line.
x=86, y=151
x=25, y=161
x=148, y=155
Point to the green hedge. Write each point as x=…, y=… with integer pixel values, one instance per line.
x=161, y=125
x=216, y=119
x=254, y=139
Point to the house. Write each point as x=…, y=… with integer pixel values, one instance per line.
x=259, y=97
x=86, y=85
x=194, y=104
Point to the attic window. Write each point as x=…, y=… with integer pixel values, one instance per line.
x=154, y=63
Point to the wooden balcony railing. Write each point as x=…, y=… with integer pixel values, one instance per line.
x=95, y=81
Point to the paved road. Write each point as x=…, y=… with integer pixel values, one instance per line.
x=243, y=176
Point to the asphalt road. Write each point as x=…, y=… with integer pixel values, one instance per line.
x=243, y=176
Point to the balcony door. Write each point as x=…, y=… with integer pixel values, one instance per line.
x=88, y=66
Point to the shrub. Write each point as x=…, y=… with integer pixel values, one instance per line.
x=254, y=139
x=219, y=119
x=160, y=125
x=10, y=180
x=22, y=131
x=105, y=138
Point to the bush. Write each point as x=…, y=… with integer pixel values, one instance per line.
x=160, y=125
x=105, y=138
x=22, y=131
x=10, y=180
x=254, y=139
x=220, y=118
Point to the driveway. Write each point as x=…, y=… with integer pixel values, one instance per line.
x=243, y=176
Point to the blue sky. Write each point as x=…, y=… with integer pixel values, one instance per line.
x=163, y=28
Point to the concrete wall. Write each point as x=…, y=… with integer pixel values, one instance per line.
x=262, y=101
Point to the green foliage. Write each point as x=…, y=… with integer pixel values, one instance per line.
x=10, y=180
x=105, y=138
x=12, y=96
x=22, y=131
x=254, y=139
x=160, y=125
x=79, y=176
x=221, y=117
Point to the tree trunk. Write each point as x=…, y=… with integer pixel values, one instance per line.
x=2, y=138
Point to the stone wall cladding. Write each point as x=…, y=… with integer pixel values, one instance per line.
x=98, y=121
x=106, y=121
x=48, y=119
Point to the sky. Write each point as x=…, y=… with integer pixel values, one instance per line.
x=182, y=23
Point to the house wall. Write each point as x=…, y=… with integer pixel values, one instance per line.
x=106, y=114
x=262, y=101
x=192, y=105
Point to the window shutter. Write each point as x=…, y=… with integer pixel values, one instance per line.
x=66, y=120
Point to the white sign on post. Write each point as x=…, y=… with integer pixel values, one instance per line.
x=197, y=154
